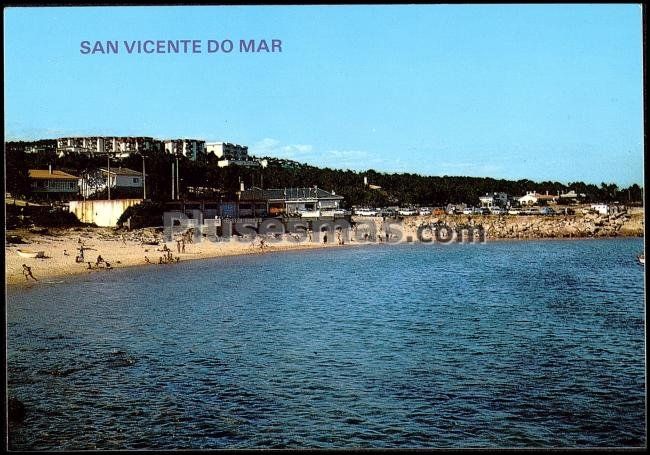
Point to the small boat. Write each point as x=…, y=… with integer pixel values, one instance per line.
x=30, y=254
x=641, y=258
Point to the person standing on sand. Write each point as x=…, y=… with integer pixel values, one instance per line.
x=178, y=245
x=183, y=246
x=27, y=271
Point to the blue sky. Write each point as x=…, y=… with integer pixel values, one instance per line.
x=533, y=91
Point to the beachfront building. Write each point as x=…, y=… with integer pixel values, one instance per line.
x=571, y=197
x=229, y=154
x=311, y=202
x=53, y=184
x=122, y=179
x=102, y=145
x=189, y=148
x=494, y=200
x=534, y=198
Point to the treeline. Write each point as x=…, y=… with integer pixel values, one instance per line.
x=204, y=179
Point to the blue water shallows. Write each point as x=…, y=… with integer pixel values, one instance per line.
x=506, y=344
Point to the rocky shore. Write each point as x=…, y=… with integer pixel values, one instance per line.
x=527, y=227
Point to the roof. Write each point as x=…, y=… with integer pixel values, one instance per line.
x=44, y=174
x=540, y=196
x=286, y=194
x=123, y=171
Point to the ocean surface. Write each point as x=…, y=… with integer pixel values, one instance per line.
x=503, y=344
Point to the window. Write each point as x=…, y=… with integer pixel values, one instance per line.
x=136, y=180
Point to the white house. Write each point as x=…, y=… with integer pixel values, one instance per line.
x=119, y=178
x=534, y=198
x=494, y=200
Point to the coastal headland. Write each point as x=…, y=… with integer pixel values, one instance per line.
x=120, y=248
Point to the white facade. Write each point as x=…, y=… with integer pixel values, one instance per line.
x=189, y=148
x=227, y=151
x=92, y=145
x=529, y=199
x=494, y=200
x=118, y=178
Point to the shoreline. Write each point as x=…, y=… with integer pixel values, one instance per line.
x=123, y=252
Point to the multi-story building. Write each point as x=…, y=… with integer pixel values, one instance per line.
x=189, y=148
x=229, y=154
x=101, y=145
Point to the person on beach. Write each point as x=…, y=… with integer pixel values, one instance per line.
x=100, y=259
x=160, y=260
x=146, y=259
x=65, y=253
x=178, y=245
x=183, y=245
x=262, y=245
x=90, y=265
x=80, y=256
x=27, y=271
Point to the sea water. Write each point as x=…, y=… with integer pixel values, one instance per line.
x=503, y=344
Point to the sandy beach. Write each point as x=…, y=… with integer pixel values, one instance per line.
x=119, y=249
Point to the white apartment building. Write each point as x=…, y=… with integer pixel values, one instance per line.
x=189, y=148
x=101, y=145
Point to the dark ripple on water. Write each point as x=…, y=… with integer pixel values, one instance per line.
x=507, y=344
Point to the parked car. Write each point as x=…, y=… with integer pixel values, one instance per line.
x=424, y=211
x=548, y=211
x=407, y=212
x=366, y=212
x=514, y=212
x=497, y=211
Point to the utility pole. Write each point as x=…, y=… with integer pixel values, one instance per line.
x=108, y=176
x=173, y=183
x=144, y=181
x=178, y=186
